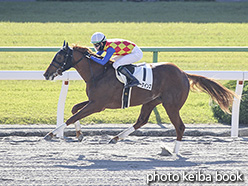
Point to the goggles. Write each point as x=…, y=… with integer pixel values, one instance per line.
x=97, y=45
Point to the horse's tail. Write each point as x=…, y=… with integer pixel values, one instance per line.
x=220, y=94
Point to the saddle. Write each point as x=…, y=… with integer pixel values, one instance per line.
x=141, y=71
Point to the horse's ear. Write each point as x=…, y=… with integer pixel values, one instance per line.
x=64, y=43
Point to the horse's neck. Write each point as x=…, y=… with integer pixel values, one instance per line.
x=89, y=70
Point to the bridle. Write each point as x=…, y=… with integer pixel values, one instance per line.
x=67, y=53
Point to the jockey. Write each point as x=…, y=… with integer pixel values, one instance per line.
x=124, y=52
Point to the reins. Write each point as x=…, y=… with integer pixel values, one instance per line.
x=92, y=76
x=78, y=61
x=91, y=73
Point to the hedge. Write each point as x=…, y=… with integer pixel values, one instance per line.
x=243, y=114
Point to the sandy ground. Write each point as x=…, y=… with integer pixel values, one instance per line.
x=203, y=160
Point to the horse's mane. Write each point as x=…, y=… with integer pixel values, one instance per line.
x=83, y=49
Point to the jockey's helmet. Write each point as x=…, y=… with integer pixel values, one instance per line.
x=98, y=37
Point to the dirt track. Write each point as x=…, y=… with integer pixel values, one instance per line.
x=134, y=161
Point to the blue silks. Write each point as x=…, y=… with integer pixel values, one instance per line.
x=110, y=51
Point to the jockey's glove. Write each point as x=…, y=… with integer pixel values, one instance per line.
x=87, y=54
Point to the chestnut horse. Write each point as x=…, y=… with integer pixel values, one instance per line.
x=170, y=87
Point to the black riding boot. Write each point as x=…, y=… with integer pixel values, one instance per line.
x=131, y=80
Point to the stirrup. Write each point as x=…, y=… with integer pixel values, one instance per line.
x=132, y=84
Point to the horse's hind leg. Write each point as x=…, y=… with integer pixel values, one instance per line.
x=145, y=113
x=142, y=120
x=173, y=113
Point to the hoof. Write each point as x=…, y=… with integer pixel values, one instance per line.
x=80, y=138
x=79, y=135
x=113, y=141
x=49, y=136
x=165, y=152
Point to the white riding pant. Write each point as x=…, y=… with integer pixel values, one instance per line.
x=128, y=59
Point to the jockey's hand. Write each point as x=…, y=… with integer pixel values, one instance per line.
x=87, y=54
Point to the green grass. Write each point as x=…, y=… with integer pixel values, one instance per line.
x=144, y=34
x=147, y=24
x=28, y=102
x=200, y=12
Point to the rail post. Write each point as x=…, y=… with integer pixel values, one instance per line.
x=155, y=56
x=235, y=109
x=61, y=104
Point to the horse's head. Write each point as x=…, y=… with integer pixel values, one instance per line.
x=61, y=62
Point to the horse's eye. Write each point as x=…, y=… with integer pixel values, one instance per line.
x=59, y=58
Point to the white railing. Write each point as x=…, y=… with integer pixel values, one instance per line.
x=239, y=76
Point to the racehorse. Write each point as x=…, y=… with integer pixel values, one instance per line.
x=170, y=88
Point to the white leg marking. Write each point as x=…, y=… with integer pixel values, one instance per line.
x=177, y=146
x=126, y=132
x=59, y=131
x=77, y=125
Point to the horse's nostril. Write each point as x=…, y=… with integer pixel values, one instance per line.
x=46, y=76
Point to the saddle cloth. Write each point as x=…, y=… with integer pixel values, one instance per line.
x=142, y=71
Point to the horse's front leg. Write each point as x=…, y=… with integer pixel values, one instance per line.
x=90, y=108
x=78, y=106
x=74, y=110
